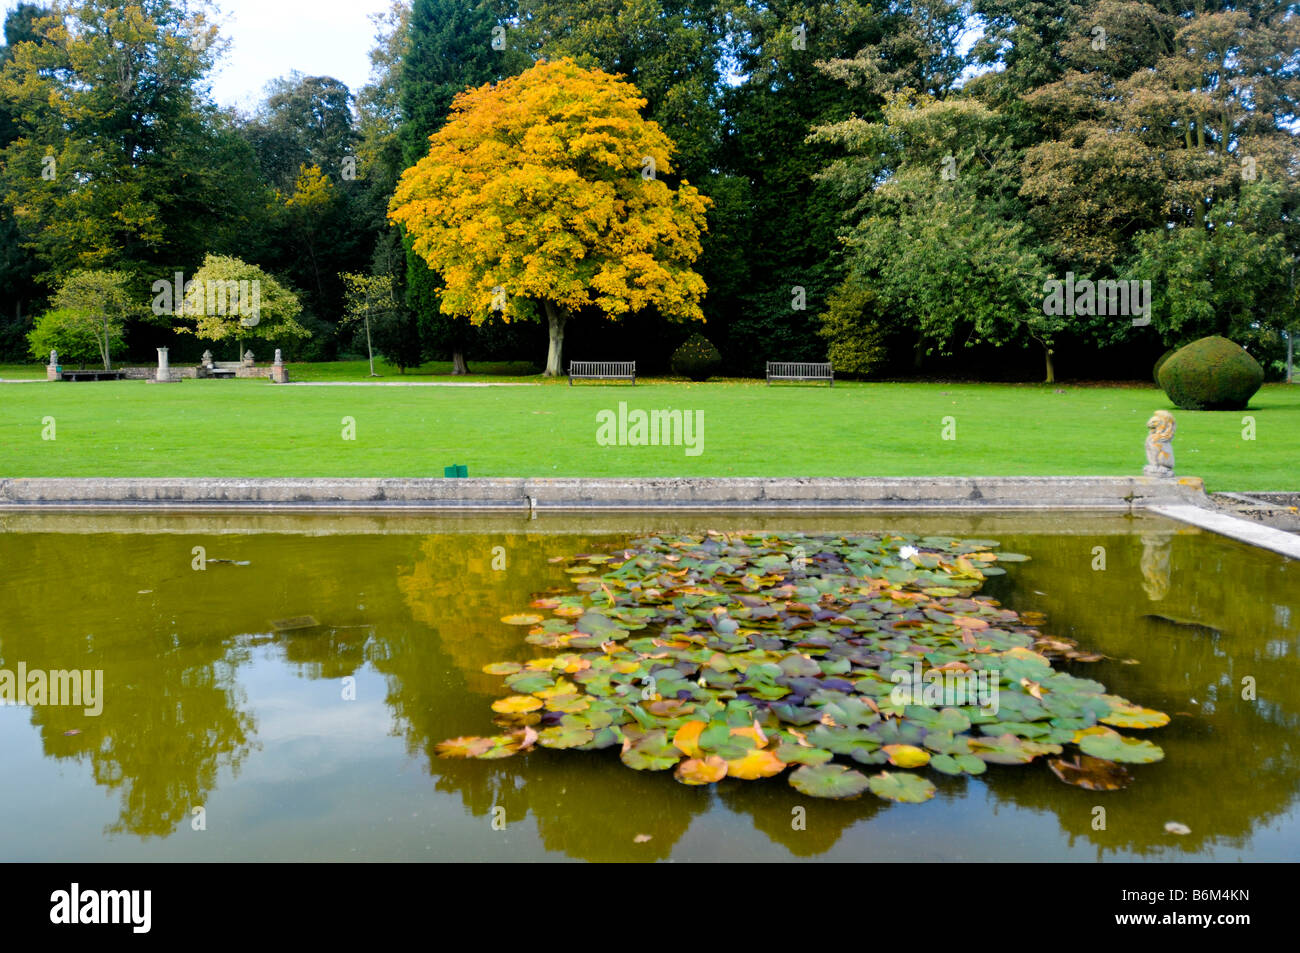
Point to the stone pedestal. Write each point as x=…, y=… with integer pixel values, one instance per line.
x=164, y=373
x=279, y=373
x=54, y=372
x=248, y=359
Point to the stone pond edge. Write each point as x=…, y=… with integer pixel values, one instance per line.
x=587, y=495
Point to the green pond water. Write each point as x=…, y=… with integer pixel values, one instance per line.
x=208, y=704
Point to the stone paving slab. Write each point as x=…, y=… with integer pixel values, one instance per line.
x=1256, y=534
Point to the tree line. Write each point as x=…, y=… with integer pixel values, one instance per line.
x=902, y=188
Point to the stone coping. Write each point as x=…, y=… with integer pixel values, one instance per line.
x=215, y=521
x=594, y=495
x=1245, y=531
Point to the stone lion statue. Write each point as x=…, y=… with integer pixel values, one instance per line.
x=1160, y=450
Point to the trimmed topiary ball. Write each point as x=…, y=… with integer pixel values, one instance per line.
x=1160, y=362
x=1211, y=374
x=696, y=359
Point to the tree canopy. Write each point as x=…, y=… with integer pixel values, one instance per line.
x=548, y=189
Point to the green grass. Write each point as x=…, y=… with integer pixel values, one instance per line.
x=253, y=428
x=22, y=372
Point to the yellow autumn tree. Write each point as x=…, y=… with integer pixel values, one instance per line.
x=546, y=193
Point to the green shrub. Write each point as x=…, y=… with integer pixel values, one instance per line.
x=1211, y=374
x=855, y=341
x=76, y=335
x=696, y=359
x=1160, y=362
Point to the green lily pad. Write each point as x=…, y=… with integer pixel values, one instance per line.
x=828, y=781
x=1112, y=746
x=561, y=736
x=958, y=764
x=652, y=751
x=1008, y=749
x=901, y=786
x=798, y=754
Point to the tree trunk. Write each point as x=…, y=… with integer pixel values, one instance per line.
x=918, y=352
x=108, y=358
x=1051, y=369
x=458, y=365
x=369, y=347
x=556, y=318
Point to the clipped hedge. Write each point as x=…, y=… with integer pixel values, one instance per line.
x=1211, y=374
x=696, y=359
x=1160, y=362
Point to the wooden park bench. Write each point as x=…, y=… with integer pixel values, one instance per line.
x=602, y=371
x=799, y=371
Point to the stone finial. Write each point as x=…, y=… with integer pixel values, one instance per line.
x=248, y=359
x=54, y=359
x=278, y=359
x=1160, y=448
x=206, y=360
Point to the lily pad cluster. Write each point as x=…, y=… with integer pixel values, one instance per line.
x=743, y=655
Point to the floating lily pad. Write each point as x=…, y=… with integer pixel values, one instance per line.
x=1091, y=774
x=901, y=786
x=754, y=765
x=651, y=751
x=561, y=736
x=529, y=682
x=1008, y=749
x=468, y=747
x=708, y=770
x=1124, y=714
x=828, y=781
x=798, y=754
x=907, y=756
x=522, y=618
x=958, y=764
x=1112, y=746
x=516, y=703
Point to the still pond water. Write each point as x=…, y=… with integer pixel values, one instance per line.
x=209, y=704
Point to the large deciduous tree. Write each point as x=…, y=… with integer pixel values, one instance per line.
x=546, y=191
x=110, y=166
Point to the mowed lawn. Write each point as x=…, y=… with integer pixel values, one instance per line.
x=257, y=429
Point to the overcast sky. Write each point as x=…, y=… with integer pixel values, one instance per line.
x=270, y=38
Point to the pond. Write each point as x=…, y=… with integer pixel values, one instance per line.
x=285, y=701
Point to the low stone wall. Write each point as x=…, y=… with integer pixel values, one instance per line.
x=579, y=495
x=151, y=373
x=191, y=373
